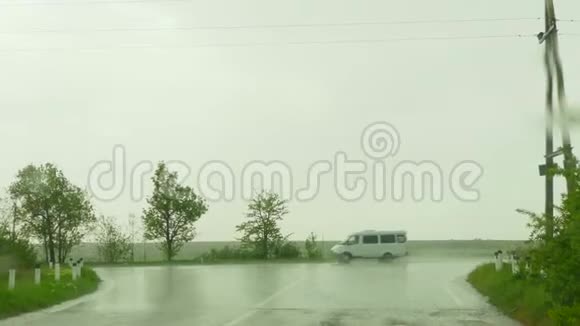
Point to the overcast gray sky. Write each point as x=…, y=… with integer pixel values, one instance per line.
x=72, y=88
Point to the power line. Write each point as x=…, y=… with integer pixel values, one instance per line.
x=269, y=26
x=88, y=2
x=266, y=44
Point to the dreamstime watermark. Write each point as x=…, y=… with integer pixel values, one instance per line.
x=380, y=141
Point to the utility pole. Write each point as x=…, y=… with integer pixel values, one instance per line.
x=549, y=182
x=144, y=248
x=566, y=143
x=14, y=221
x=552, y=62
x=132, y=226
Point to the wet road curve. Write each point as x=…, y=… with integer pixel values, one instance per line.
x=408, y=291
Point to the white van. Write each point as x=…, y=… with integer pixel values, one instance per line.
x=372, y=244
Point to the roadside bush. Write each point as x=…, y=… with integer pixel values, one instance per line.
x=227, y=252
x=312, y=249
x=566, y=315
x=288, y=250
x=112, y=244
x=555, y=256
x=522, y=272
x=17, y=253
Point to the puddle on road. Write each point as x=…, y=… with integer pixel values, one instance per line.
x=373, y=317
x=349, y=318
x=465, y=317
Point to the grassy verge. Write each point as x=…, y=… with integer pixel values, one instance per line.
x=28, y=297
x=216, y=262
x=523, y=300
x=150, y=252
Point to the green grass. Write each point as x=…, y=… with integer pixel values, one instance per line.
x=522, y=299
x=28, y=297
x=149, y=253
x=217, y=261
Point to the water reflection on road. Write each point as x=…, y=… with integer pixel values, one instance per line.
x=407, y=291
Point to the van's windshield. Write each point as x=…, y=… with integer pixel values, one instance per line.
x=350, y=240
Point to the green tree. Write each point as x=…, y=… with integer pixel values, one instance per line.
x=172, y=212
x=261, y=234
x=112, y=244
x=51, y=209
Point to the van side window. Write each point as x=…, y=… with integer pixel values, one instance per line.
x=370, y=239
x=387, y=238
x=401, y=238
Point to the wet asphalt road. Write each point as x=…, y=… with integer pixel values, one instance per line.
x=408, y=291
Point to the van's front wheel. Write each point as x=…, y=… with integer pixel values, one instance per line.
x=345, y=257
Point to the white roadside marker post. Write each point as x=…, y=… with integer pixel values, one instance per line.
x=74, y=271
x=37, y=274
x=515, y=265
x=79, y=268
x=57, y=272
x=11, y=279
x=528, y=264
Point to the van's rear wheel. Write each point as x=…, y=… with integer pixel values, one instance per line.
x=387, y=257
